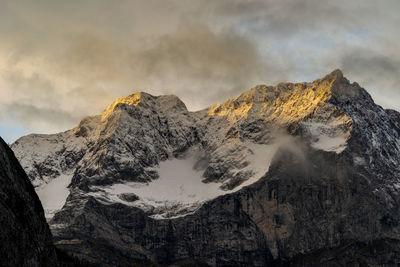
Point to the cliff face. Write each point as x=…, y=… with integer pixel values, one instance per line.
x=299, y=213
x=300, y=174
x=25, y=236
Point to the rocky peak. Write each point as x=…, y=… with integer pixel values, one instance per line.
x=163, y=103
x=286, y=102
x=336, y=74
x=341, y=89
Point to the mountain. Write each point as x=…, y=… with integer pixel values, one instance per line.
x=297, y=173
x=25, y=236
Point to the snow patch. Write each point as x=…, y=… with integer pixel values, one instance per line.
x=54, y=194
x=259, y=159
x=180, y=189
x=326, y=136
x=359, y=160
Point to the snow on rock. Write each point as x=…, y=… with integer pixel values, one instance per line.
x=50, y=161
x=40, y=155
x=359, y=160
x=180, y=188
x=259, y=159
x=54, y=194
x=151, y=152
x=326, y=136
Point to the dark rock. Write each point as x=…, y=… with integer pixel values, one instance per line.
x=130, y=197
x=25, y=236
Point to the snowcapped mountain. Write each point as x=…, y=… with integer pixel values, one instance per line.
x=272, y=174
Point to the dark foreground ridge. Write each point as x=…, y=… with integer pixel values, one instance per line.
x=25, y=238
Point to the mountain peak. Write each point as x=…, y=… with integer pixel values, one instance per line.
x=332, y=80
x=284, y=102
x=145, y=100
x=341, y=89
x=290, y=102
x=337, y=74
x=133, y=100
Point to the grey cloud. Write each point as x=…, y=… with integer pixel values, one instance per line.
x=377, y=72
x=36, y=119
x=356, y=61
x=76, y=57
x=34, y=103
x=287, y=17
x=192, y=62
x=195, y=62
x=30, y=89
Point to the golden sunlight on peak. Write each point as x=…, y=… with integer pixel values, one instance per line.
x=133, y=100
x=233, y=109
x=285, y=102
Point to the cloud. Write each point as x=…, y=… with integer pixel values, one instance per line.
x=378, y=72
x=39, y=118
x=72, y=58
x=32, y=103
x=89, y=72
x=188, y=62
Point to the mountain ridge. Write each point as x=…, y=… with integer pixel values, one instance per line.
x=310, y=110
x=300, y=165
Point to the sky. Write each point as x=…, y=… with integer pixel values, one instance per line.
x=63, y=60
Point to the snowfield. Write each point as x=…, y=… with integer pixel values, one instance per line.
x=326, y=136
x=180, y=189
x=54, y=194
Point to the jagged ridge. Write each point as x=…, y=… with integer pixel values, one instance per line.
x=135, y=133
x=351, y=145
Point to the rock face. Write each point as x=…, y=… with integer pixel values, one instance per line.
x=25, y=236
x=301, y=174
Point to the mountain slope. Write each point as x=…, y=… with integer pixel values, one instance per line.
x=25, y=236
x=264, y=178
